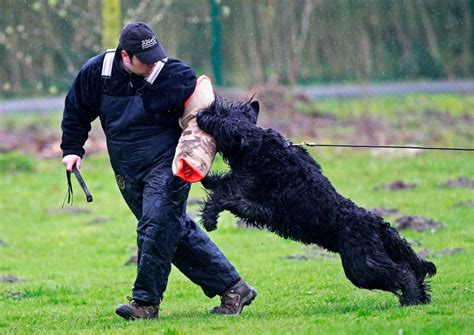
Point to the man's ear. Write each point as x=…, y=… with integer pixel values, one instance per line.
x=125, y=58
x=256, y=108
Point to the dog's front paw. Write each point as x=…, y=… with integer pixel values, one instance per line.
x=209, y=225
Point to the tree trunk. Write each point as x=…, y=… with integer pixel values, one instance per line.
x=309, y=5
x=431, y=36
x=47, y=57
x=278, y=56
x=253, y=61
x=16, y=77
x=402, y=36
x=111, y=23
x=283, y=41
x=466, y=56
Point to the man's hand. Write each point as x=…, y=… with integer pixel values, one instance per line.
x=70, y=160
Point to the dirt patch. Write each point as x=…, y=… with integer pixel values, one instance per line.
x=280, y=109
x=383, y=212
x=423, y=253
x=396, y=185
x=440, y=253
x=459, y=182
x=68, y=210
x=15, y=295
x=44, y=141
x=290, y=113
x=370, y=129
x=312, y=252
x=449, y=252
x=98, y=220
x=11, y=279
x=30, y=140
x=465, y=203
x=132, y=260
x=417, y=223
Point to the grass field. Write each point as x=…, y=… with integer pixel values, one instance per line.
x=69, y=264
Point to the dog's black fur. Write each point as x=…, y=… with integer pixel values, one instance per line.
x=275, y=185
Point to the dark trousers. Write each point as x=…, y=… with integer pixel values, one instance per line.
x=166, y=235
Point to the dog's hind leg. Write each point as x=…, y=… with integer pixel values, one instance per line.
x=412, y=292
x=368, y=266
x=400, y=251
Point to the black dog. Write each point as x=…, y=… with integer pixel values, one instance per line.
x=275, y=185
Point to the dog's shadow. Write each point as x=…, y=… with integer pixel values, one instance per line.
x=360, y=309
x=350, y=303
x=324, y=308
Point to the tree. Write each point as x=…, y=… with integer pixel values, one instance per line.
x=111, y=23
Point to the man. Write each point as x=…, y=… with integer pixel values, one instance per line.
x=139, y=95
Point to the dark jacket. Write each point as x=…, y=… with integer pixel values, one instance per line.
x=164, y=100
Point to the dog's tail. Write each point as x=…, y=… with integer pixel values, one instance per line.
x=400, y=251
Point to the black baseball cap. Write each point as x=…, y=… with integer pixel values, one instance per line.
x=140, y=39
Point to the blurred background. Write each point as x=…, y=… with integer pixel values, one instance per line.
x=371, y=72
x=243, y=43
x=326, y=70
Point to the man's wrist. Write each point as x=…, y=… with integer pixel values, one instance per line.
x=72, y=152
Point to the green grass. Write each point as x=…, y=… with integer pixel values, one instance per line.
x=45, y=121
x=394, y=106
x=74, y=274
x=418, y=119
x=71, y=260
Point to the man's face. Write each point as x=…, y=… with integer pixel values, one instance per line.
x=135, y=66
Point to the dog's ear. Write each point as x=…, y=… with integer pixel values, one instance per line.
x=256, y=108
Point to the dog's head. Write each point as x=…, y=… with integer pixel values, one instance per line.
x=230, y=124
x=221, y=111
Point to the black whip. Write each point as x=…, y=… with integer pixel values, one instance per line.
x=82, y=183
x=309, y=144
x=69, y=196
